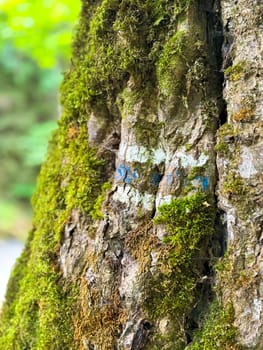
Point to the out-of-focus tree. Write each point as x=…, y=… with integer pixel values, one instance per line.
x=40, y=28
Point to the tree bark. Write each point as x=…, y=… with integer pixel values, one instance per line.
x=147, y=228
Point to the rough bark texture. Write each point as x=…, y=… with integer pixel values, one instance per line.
x=240, y=167
x=147, y=229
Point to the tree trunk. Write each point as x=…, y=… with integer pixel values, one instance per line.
x=147, y=228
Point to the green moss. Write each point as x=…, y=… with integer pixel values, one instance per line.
x=38, y=300
x=178, y=55
x=123, y=40
x=147, y=131
x=196, y=171
x=172, y=57
x=226, y=134
x=234, y=185
x=182, y=64
x=226, y=130
x=222, y=148
x=236, y=72
x=127, y=101
x=218, y=332
x=96, y=212
x=189, y=222
x=96, y=66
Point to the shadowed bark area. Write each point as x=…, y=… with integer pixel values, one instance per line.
x=128, y=241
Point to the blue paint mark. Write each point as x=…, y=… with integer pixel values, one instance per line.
x=121, y=172
x=177, y=172
x=135, y=174
x=125, y=174
x=128, y=180
x=205, y=183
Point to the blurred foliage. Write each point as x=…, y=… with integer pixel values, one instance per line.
x=28, y=113
x=34, y=142
x=27, y=104
x=34, y=46
x=15, y=220
x=40, y=28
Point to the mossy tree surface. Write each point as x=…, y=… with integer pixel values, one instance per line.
x=38, y=300
x=145, y=59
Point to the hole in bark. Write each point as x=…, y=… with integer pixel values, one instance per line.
x=223, y=113
x=207, y=268
x=142, y=335
x=223, y=117
x=146, y=325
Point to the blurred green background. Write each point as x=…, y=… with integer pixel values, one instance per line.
x=35, y=50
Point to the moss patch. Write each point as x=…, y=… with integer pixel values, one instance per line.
x=98, y=323
x=189, y=222
x=35, y=306
x=218, y=331
x=236, y=72
x=96, y=212
x=196, y=171
x=234, y=185
x=225, y=137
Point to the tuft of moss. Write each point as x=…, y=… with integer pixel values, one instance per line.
x=126, y=40
x=189, y=222
x=234, y=185
x=219, y=332
x=222, y=148
x=140, y=242
x=173, y=60
x=98, y=323
x=225, y=137
x=196, y=171
x=96, y=212
x=236, y=72
x=178, y=60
